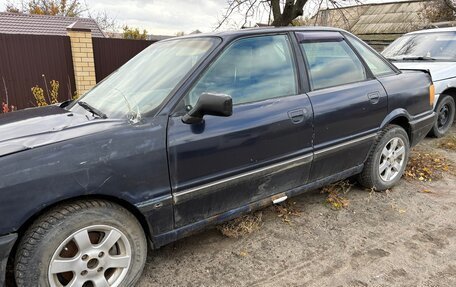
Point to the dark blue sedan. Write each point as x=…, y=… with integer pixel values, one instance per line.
x=195, y=131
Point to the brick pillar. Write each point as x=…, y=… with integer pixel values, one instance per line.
x=82, y=52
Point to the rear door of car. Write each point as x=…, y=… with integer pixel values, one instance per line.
x=264, y=148
x=349, y=103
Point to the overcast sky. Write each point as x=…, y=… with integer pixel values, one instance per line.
x=167, y=17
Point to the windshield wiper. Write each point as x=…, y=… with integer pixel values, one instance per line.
x=132, y=117
x=419, y=58
x=93, y=110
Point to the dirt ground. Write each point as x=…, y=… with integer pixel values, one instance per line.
x=405, y=237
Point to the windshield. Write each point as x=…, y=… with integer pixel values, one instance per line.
x=143, y=83
x=427, y=46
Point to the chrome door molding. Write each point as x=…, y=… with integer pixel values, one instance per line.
x=183, y=195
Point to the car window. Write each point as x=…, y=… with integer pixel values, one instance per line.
x=250, y=70
x=375, y=63
x=332, y=63
x=433, y=46
x=140, y=87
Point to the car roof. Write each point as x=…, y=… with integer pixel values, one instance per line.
x=261, y=30
x=435, y=30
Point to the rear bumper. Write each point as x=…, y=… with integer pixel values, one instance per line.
x=6, y=244
x=420, y=127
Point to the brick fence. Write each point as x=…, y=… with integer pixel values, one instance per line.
x=82, y=53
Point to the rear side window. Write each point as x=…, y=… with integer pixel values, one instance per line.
x=375, y=63
x=250, y=70
x=332, y=63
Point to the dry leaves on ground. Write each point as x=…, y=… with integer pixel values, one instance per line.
x=243, y=225
x=336, y=194
x=286, y=210
x=426, y=166
x=448, y=143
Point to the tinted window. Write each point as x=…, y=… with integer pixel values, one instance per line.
x=375, y=63
x=250, y=70
x=332, y=63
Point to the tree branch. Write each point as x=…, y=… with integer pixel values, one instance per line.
x=232, y=5
x=451, y=4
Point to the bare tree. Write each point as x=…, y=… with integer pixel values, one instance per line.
x=104, y=21
x=451, y=4
x=281, y=12
x=439, y=11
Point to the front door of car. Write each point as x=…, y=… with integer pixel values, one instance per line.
x=263, y=148
x=348, y=102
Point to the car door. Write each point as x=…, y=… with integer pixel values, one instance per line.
x=263, y=148
x=349, y=103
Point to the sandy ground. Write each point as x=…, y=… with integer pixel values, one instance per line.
x=401, y=238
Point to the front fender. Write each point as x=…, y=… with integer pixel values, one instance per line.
x=127, y=162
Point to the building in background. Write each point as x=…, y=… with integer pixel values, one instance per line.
x=32, y=24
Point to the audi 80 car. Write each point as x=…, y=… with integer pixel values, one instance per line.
x=195, y=131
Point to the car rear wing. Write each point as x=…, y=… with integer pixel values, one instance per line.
x=431, y=86
x=419, y=70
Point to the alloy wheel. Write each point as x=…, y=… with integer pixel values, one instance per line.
x=392, y=159
x=95, y=256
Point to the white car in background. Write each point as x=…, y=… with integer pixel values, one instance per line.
x=433, y=50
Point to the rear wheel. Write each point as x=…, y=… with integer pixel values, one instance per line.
x=387, y=161
x=86, y=244
x=445, y=110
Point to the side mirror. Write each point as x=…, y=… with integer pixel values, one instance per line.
x=209, y=104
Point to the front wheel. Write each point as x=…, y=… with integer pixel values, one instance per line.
x=84, y=244
x=387, y=161
x=445, y=110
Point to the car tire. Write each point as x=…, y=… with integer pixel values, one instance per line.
x=387, y=160
x=92, y=242
x=445, y=110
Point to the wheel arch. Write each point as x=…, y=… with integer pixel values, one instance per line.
x=450, y=92
x=399, y=117
x=125, y=204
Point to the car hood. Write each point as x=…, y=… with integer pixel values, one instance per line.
x=36, y=127
x=439, y=70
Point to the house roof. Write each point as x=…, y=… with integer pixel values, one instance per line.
x=381, y=18
x=18, y=23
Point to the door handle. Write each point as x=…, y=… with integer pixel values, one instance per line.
x=297, y=116
x=374, y=97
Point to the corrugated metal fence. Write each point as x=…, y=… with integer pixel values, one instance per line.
x=30, y=60
x=110, y=54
